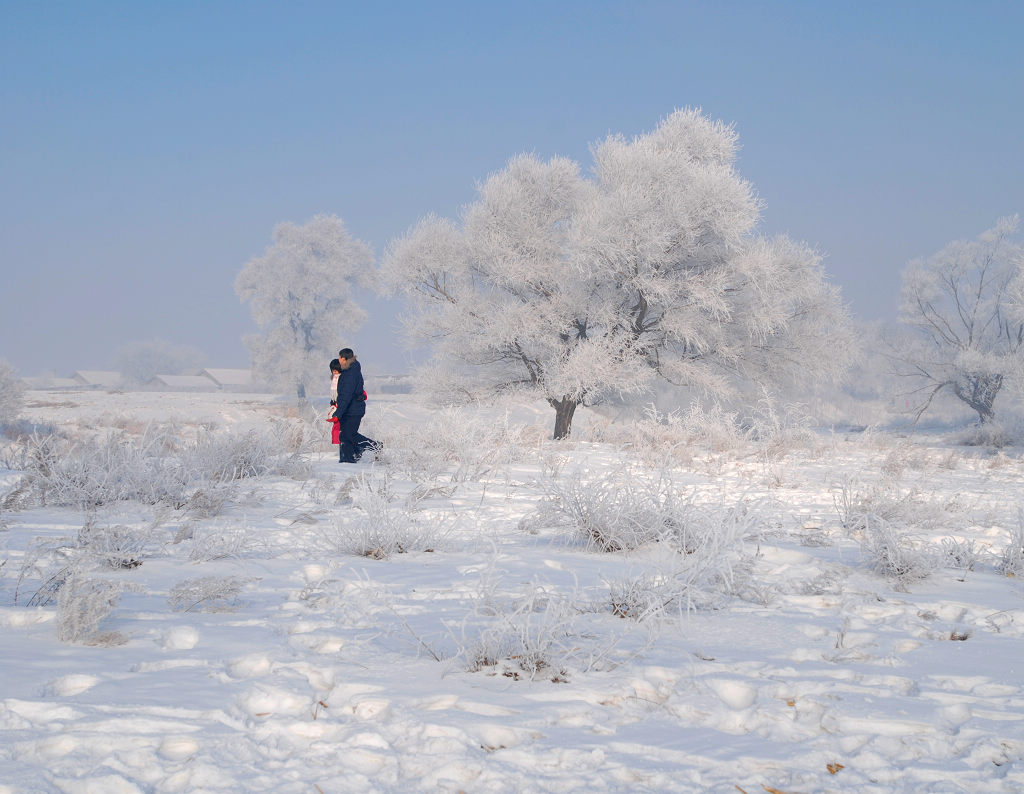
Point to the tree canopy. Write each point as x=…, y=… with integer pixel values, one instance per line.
x=585, y=287
x=300, y=294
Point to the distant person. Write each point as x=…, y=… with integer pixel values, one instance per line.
x=350, y=408
x=332, y=413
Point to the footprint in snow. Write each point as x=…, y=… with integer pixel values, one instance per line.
x=69, y=685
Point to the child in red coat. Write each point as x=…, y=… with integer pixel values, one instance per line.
x=336, y=427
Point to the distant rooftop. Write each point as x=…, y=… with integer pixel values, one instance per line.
x=229, y=377
x=183, y=382
x=97, y=377
x=51, y=382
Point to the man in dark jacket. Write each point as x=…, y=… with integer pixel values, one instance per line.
x=351, y=407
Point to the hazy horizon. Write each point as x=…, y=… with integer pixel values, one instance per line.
x=149, y=151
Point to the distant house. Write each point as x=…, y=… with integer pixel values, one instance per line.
x=51, y=382
x=181, y=383
x=240, y=380
x=97, y=378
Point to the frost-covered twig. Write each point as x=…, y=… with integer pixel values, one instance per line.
x=208, y=593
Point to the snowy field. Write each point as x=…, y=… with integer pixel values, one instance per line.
x=485, y=610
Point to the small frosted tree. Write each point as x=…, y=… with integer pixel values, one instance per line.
x=140, y=362
x=300, y=295
x=588, y=287
x=12, y=393
x=964, y=308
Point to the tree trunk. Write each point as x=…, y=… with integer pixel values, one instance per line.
x=980, y=394
x=564, y=409
x=301, y=391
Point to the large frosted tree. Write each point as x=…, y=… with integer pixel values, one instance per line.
x=586, y=287
x=299, y=292
x=965, y=308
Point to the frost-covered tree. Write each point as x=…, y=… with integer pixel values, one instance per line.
x=1015, y=297
x=140, y=362
x=963, y=306
x=496, y=293
x=12, y=393
x=588, y=287
x=300, y=295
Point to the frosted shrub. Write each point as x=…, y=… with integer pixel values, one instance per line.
x=778, y=429
x=462, y=437
x=540, y=633
x=996, y=434
x=377, y=526
x=619, y=512
x=151, y=469
x=210, y=500
x=225, y=457
x=769, y=430
x=415, y=455
x=12, y=433
x=417, y=461
x=962, y=555
x=208, y=594
x=904, y=455
x=642, y=597
x=82, y=603
x=114, y=547
x=321, y=489
x=55, y=561
x=470, y=438
x=379, y=535
x=50, y=584
x=606, y=514
x=95, y=472
x=533, y=635
x=1012, y=561
x=674, y=435
x=219, y=544
x=895, y=553
x=655, y=440
x=857, y=502
x=714, y=428
x=699, y=579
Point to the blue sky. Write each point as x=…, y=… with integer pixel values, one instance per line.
x=148, y=149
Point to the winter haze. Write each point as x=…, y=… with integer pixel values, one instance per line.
x=149, y=151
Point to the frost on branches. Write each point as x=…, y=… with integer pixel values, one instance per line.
x=965, y=306
x=583, y=288
x=12, y=393
x=140, y=362
x=299, y=293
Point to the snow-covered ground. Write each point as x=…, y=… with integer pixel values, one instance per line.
x=252, y=649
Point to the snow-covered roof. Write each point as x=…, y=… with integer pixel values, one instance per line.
x=229, y=377
x=193, y=382
x=51, y=382
x=97, y=377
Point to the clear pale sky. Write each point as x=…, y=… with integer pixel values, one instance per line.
x=149, y=148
